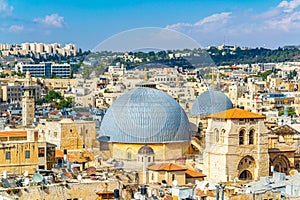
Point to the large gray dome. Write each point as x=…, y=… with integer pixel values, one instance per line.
x=210, y=102
x=145, y=115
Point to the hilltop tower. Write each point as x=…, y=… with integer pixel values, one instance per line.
x=28, y=101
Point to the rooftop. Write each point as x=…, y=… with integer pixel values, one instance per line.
x=13, y=133
x=236, y=113
x=193, y=174
x=166, y=167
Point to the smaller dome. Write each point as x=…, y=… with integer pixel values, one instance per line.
x=210, y=102
x=145, y=150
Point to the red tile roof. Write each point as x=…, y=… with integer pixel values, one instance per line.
x=12, y=133
x=166, y=167
x=193, y=174
x=236, y=113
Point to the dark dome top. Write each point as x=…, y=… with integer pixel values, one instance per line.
x=145, y=115
x=145, y=150
x=210, y=102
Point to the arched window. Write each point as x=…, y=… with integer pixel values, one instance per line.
x=245, y=175
x=129, y=155
x=222, y=135
x=217, y=135
x=241, y=137
x=251, y=137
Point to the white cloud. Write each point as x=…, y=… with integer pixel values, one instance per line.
x=5, y=8
x=286, y=22
x=53, y=20
x=289, y=6
x=16, y=28
x=276, y=25
x=206, y=24
x=215, y=18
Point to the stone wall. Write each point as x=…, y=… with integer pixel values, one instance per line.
x=84, y=191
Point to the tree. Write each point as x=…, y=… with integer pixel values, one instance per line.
x=64, y=104
x=53, y=75
x=52, y=96
x=39, y=101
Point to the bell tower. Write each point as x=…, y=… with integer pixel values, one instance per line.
x=28, y=101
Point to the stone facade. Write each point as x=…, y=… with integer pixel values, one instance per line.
x=168, y=176
x=162, y=151
x=28, y=102
x=236, y=149
x=85, y=190
x=69, y=134
x=18, y=157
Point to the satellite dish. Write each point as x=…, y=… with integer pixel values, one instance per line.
x=137, y=195
x=26, y=181
x=184, y=194
x=175, y=183
x=5, y=174
x=119, y=164
x=37, y=178
x=293, y=172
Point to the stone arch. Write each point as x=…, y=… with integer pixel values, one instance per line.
x=242, y=135
x=246, y=168
x=246, y=175
x=281, y=163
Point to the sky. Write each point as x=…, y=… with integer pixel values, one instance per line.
x=247, y=23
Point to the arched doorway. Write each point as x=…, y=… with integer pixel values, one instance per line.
x=245, y=175
x=281, y=164
x=246, y=168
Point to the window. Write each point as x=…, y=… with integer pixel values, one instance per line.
x=152, y=176
x=222, y=135
x=251, y=137
x=241, y=137
x=173, y=177
x=7, y=155
x=41, y=152
x=217, y=135
x=27, y=154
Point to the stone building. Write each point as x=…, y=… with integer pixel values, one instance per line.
x=284, y=149
x=69, y=134
x=21, y=151
x=236, y=146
